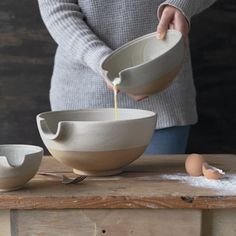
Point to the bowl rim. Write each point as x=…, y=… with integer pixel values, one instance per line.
x=38, y=149
x=137, y=40
x=152, y=114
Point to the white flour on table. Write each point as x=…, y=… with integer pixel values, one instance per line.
x=225, y=185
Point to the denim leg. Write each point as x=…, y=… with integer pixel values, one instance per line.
x=171, y=140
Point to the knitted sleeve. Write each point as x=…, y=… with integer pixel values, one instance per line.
x=188, y=7
x=64, y=21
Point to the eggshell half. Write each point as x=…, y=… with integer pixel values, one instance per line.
x=210, y=172
x=193, y=164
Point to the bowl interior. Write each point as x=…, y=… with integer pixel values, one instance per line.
x=139, y=52
x=15, y=154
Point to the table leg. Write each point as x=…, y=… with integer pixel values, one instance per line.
x=5, y=223
x=219, y=222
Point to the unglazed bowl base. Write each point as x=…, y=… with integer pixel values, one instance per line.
x=10, y=189
x=98, y=173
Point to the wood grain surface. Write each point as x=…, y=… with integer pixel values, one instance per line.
x=26, y=62
x=106, y=222
x=5, y=223
x=139, y=187
x=128, y=222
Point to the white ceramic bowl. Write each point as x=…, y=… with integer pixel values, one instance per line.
x=146, y=65
x=92, y=142
x=18, y=164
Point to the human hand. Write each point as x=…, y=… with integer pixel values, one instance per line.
x=135, y=97
x=109, y=84
x=172, y=18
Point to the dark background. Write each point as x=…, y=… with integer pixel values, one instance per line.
x=26, y=60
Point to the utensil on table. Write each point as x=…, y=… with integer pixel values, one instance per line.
x=64, y=179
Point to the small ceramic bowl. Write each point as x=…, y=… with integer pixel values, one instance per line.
x=18, y=164
x=146, y=65
x=93, y=142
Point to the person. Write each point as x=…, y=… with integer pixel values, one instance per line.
x=87, y=31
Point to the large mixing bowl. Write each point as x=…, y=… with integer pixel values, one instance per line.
x=93, y=142
x=146, y=65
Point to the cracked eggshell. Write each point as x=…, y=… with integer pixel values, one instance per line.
x=193, y=164
x=210, y=172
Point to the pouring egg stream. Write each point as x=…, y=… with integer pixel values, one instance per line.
x=115, y=82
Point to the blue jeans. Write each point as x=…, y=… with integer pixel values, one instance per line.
x=171, y=140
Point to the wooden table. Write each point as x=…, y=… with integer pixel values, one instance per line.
x=137, y=202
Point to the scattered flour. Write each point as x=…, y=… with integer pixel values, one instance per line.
x=226, y=185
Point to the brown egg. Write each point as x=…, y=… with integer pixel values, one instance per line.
x=210, y=172
x=193, y=164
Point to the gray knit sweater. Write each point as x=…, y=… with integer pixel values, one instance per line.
x=87, y=31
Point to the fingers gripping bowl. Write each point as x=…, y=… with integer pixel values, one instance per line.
x=93, y=142
x=146, y=65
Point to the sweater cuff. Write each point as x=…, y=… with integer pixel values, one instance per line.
x=182, y=5
x=96, y=56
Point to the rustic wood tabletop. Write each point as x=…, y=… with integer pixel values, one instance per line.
x=143, y=184
x=153, y=196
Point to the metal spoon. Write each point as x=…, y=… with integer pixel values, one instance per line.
x=64, y=179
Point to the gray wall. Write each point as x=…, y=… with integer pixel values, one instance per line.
x=26, y=60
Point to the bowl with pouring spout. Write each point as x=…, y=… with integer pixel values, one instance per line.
x=94, y=142
x=18, y=164
x=146, y=65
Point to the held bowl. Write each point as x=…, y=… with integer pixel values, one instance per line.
x=146, y=65
x=93, y=142
x=18, y=164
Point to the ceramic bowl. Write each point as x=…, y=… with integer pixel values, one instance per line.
x=18, y=164
x=146, y=65
x=93, y=142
